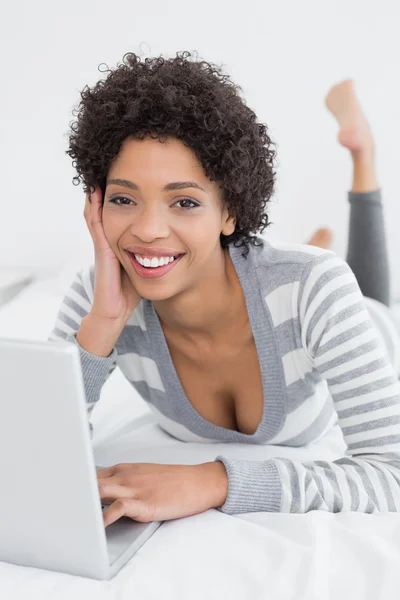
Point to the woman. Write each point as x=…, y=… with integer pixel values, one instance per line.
x=229, y=337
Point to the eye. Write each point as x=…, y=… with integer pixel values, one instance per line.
x=188, y=207
x=113, y=200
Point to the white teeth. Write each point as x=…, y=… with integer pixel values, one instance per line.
x=155, y=261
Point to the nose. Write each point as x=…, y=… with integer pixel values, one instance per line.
x=150, y=224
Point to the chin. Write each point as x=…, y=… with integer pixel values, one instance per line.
x=157, y=296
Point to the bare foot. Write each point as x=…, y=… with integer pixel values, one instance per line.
x=355, y=133
x=322, y=238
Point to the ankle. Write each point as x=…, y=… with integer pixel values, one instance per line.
x=364, y=180
x=364, y=156
x=364, y=172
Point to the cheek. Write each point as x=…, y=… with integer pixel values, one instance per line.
x=206, y=224
x=194, y=232
x=110, y=227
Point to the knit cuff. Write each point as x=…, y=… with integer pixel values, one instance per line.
x=95, y=370
x=375, y=197
x=253, y=486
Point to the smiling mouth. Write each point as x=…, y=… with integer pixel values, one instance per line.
x=153, y=272
x=149, y=267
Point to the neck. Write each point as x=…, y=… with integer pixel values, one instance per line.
x=206, y=311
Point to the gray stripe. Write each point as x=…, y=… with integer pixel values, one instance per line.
x=132, y=339
x=376, y=442
x=370, y=507
x=316, y=502
x=342, y=358
x=286, y=335
x=68, y=321
x=301, y=390
x=79, y=289
x=364, y=476
x=383, y=478
x=92, y=270
x=368, y=407
x=330, y=475
x=365, y=369
x=365, y=389
x=325, y=306
x=341, y=316
x=323, y=279
x=57, y=333
x=318, y=481
x=391, y=456
x=390, y=468
x=314, y=429
x=294, y=486
x=72, y=304
x=375, y=424
x=353, y=490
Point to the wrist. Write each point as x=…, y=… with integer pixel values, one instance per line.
x=217, y=482
x=98, y=336
x=114, y=323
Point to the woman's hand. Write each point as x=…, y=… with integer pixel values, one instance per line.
x=152, y=492
x=115, y=298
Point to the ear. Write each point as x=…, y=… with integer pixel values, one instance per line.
x=229, y=223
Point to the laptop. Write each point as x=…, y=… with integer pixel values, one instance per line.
x=50, y=506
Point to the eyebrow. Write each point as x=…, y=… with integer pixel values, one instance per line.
x=174, y=185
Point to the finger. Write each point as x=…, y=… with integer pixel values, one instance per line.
x=92, y=194
x=95, y=222
x=125, y=507
x=114, y=469
x=87, y=215
x=86, y=209
x=110, y=490
x=89, y=196
x=107, y=472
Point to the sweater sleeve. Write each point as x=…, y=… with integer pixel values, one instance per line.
x=75, y=305
x=341, y=342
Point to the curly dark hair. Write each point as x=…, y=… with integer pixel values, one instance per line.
x=198, y=104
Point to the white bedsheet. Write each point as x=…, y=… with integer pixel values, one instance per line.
x=318, y=555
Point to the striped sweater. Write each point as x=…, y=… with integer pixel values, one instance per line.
x=322, y=365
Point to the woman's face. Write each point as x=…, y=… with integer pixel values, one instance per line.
x=188, y=220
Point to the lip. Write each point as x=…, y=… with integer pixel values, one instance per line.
x=155, y=273
x=143, y=251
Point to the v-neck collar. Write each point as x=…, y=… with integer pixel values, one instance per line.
x=274, y=388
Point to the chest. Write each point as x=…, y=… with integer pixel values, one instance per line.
x=223, y=385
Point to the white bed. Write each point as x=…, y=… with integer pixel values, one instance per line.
x=211, y=555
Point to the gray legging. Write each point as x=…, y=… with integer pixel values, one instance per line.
x=367, y=253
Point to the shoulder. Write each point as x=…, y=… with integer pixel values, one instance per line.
x=279, y=263
x=282, y=252
x=298, y=278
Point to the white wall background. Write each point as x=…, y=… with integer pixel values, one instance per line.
x=285, y=55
